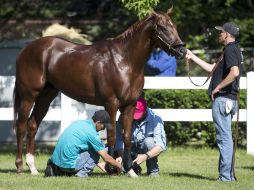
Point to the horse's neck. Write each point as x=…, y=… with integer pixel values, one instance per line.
x=138, y=44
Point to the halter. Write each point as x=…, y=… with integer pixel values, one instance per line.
x=171, y=48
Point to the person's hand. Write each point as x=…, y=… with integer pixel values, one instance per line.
x=216, y=90
x=189, y=54
x=119, y=159
x=140, y=159
x=101, y=165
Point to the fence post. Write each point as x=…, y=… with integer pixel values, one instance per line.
x=250, y=111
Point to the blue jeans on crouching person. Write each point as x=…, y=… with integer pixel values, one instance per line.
x=83, y=167
x=142, y=148
x=223, y=110
x=86, y=163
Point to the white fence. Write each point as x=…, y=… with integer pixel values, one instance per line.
x=67, y=112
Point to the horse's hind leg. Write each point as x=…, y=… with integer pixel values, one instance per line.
x=39, y=111
x=23, y=114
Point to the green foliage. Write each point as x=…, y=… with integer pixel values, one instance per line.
x=179, y=133
x=141, y=8
x=195, y=19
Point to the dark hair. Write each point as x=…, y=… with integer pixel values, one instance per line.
x=102, y=116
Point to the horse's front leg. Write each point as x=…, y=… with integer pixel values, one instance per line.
x=127, y=119
x=111, y=108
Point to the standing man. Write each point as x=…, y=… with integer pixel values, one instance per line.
x=79, y=148
x=223, y=90
x=148, y=138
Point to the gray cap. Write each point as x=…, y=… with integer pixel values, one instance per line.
x=229, y=27
x=103, y=117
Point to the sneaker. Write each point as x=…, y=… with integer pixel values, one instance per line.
x=49, y=169
x=221, y=180
x=82, y=176
x=156, y=174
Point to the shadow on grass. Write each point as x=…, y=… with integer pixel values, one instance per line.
x=248, y=167
x=8, y=171
x=14, y=171
x=189, y=176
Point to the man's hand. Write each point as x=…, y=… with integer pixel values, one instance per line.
x=101, y=165
x=216, y=90
x=119, y=159
x=140, y=159
x=189, y=54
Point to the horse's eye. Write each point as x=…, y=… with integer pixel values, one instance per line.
x=162, y=28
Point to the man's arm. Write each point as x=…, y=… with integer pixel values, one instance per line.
x=206, y=66
x=234, y=72
x=156, y=150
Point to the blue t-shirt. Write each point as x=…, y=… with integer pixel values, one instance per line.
x=161, y=64
x=79, y=137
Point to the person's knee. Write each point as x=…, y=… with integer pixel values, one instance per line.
x=149, y=143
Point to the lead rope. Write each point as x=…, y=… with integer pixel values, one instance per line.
x=236, y=136
x=237, y=123
x=209, y=75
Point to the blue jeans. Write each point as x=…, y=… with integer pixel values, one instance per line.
x=144, y=147
x=223, y=110
x=86, y=163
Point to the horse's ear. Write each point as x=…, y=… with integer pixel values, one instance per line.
x=154, y=13
x=153, y=16
x=170, y=11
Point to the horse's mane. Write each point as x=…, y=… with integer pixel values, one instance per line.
x=134, y=27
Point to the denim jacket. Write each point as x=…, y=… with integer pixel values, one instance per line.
x=151, y=126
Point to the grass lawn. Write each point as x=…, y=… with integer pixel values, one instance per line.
x=180, y=168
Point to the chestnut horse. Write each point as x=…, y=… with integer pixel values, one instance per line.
x=109, y=73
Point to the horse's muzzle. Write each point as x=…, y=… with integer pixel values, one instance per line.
x=180, y=50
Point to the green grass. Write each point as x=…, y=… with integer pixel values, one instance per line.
x=180, y=168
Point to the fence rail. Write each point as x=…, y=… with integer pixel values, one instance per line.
x=67, y=109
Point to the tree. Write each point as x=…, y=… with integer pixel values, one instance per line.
x=140, y=7
x=195, y=19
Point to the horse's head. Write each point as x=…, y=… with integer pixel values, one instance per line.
x=166, y=36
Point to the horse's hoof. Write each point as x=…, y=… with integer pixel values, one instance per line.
x=35, y=172
x=132, y=174
x=20, y=171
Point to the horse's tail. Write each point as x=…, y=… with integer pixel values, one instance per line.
x=16, y=104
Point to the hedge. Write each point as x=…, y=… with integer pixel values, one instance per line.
x=183, y=133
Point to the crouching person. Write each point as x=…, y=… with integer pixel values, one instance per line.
x=148, y=138
x=79, y=148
